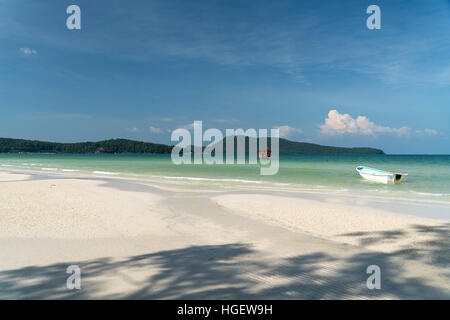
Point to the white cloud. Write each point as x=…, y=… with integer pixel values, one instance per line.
x=154, y=129
x=189, y=126
x=287, y=131
x=28, y=51
x=427, y=132
x=226, y=120
x=337, y=123
x=134, y=129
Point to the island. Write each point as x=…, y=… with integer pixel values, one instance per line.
x=8, y=145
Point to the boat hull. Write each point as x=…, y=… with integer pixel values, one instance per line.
x=379, y=176
x=379, y=179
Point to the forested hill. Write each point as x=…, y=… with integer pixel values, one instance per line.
x=130, y=146
x=106, y=146
x=293, y=147
x=287, y=146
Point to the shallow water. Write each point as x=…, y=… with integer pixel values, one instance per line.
x=429, y=175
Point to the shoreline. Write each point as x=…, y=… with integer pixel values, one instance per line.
x=428, y=180
x=148, y=239
x=242, y=184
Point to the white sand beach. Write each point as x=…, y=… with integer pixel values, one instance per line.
x=137, y=239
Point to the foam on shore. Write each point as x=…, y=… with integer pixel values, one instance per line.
x=211, y=179
x=106, y=172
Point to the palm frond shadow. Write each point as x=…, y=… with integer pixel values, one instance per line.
x=230, y=271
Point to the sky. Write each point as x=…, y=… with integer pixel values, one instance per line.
x=140, y=69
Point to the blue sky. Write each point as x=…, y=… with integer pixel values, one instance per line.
x=139, y=69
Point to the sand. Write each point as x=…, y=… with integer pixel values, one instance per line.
x=137, y=239
x=374, y=228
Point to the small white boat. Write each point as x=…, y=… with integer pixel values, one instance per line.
x=381, y=176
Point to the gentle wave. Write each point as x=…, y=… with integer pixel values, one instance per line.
x=431, y=194
x=211, y=179
x=50, y=169
x=69, y=170
x=106, y=172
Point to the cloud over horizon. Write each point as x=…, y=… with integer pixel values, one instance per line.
x=28, y=51
x=287, y=131
x=337, y=123
x=154, y=129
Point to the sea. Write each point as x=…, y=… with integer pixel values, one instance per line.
x=428, y=175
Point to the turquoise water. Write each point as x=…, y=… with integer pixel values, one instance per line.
x=428, y=174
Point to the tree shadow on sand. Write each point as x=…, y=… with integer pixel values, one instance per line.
x=435, y=250
x=231, y=271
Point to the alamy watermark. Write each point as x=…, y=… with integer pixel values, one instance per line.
x=374, y=20
x=74, y=280
x=214, y=153
x=374, y=280
x=73, y=22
